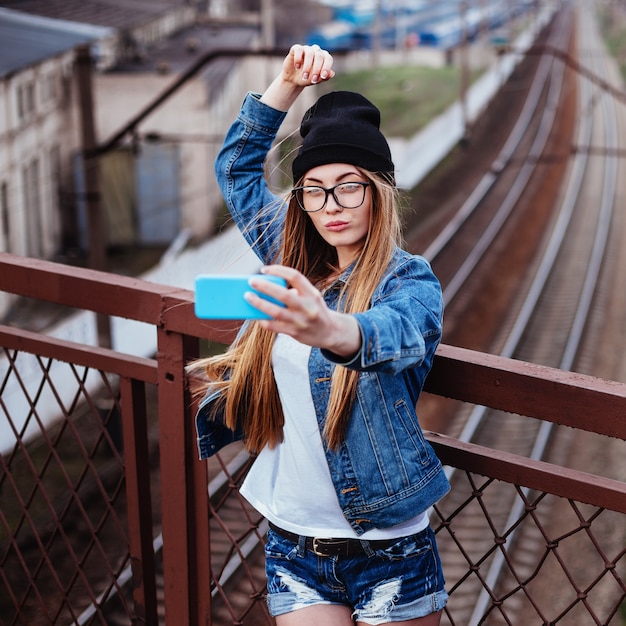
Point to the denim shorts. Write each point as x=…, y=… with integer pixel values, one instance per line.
x=404, y=581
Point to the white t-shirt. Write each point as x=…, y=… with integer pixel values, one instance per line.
x=291, y=485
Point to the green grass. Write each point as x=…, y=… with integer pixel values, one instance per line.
x=409, y=97
x=613, y=27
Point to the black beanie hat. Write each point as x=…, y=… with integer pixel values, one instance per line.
x=343, y=127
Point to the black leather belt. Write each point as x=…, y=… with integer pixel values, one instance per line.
x=333, y=547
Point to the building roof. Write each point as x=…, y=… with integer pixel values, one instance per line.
x=28, y=39
x=118, y=14
x=179, y=52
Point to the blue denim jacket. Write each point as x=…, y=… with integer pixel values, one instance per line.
x=385, y=472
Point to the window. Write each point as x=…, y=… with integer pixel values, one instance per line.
x=49, y=88
x=25, y=100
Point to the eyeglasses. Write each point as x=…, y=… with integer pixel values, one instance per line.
x=347, y=195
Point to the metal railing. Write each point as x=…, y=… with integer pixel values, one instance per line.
x=105, y=516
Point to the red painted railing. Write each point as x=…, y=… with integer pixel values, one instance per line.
x=105, y=516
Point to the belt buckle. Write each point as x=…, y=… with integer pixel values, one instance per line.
x=317, y=541
x=321, y=546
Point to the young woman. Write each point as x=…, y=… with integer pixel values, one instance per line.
x=324, y=392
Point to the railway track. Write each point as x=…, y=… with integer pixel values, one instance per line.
x=546, y=325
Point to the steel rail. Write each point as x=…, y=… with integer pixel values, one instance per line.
x=513, y=196
x=467, y=209
x=582, y=310
x=545, y=267
x=486, y=240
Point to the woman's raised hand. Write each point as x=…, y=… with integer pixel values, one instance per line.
x=302, y=67
x=307, y=65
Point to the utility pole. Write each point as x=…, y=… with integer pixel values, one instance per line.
x=377, y=34
x=268, y=28
x=464, y=70
x=91, y=168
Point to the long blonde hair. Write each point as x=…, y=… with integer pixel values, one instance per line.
x=244, y=374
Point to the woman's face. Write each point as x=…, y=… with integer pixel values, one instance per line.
x=343, y=228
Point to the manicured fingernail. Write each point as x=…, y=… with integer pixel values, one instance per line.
x=305, y=76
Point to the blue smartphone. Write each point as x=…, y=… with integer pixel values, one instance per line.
x=220, y=297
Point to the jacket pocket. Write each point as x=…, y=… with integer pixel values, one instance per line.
x=413, y=432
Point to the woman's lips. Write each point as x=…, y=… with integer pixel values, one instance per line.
x=336, y=226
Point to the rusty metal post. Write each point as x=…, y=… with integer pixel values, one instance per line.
x=198, y=487
x=186, y=568
x=137, y=473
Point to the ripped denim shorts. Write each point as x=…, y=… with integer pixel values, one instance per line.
x=401, y=582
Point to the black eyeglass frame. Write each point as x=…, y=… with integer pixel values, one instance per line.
x=327, y=191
